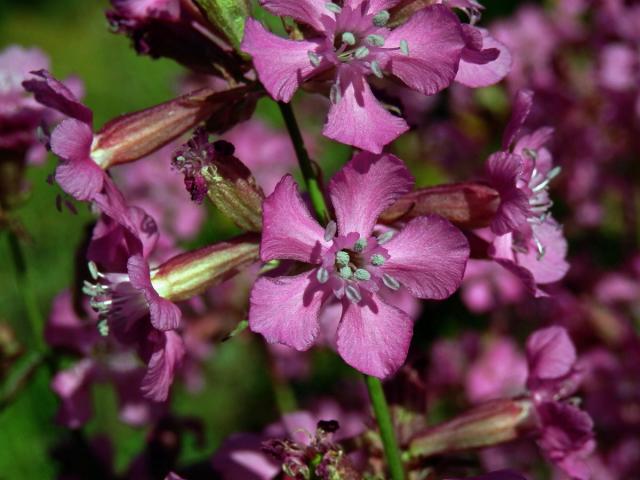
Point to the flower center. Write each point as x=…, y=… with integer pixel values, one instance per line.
x=353, y=264
x=114, y=298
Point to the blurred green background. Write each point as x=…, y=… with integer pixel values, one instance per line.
x=75, y=34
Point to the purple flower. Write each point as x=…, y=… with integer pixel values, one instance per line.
x=498, y=475
x=427, y=258
x=349, y=43
x=566, y=432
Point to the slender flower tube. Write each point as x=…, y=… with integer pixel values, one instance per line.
x=466, y=205
x=84, y=156
x=489, y=424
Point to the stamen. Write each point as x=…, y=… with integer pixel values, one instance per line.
x=103, y=328
x=343, y=258
x=377, y=260
x=349, y=38
x=346, y=273
x=385, y=237
x=375, y=68
x=360, y=245
x=353, y=293
x=334, y=94
x=540, y=247
x=375, y=40
x=404, y=47
x=390, y=282
x=330, y=231
x=362, y=274
x=314, y=58
x=322, y=275
x=93, y=270
x=361, y=52
x=530, y=153
x=554, y=172
x=333, y=7
x=381, y=18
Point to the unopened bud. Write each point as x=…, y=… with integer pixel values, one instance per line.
x=135, y=135
x=486, y=425
x=190, y=273
x=466, y=205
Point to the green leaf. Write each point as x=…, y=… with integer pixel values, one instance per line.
x=227, y=15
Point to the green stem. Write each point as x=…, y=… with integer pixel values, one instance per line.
x=308, y=172
x=24, y=286
x=383, y=417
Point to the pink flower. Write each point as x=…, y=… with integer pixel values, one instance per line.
x=349, y=43
x=427, y=257
x=498, y=475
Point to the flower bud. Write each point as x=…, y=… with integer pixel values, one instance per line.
x=190, y=273
x=466, y=205
x=486, y=425
x=211, y=169
x=135, y=135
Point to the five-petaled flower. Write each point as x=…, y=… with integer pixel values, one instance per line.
x=351, y=262
x=350, y=43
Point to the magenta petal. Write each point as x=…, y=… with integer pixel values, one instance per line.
x=366, y=186
x=167, y=354
x=56, y=95
x=73, y=388
x=305, y=11
x=65, y=329
x=286, y=309
x=374, y=337
x=77, y=174
x=550, y=353
x=374, y=6
x=504, y=171
x=474, y=73
x=289, y=230
x=434, y=38
x=282, y=64
x=428, y=257
x=164, y=314
x=358, y=119
x=522, y=107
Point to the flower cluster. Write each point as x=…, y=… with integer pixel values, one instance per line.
x=472, y=251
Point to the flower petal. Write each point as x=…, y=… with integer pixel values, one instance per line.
x=168, y=351
x=503, y=172
x=358, y=119
x=550, y=353
x=286, y=309
x=475, y=71
x=56, y=95
x=289, y=230
x=77, y=174
x=364, y=188
x=522, y=107
x=164, y=314
x=428, y=257
x=282, y=64
x=73, y=386
x=434, y=38
x=305, y=11
x=374, y=337
x=553, y=265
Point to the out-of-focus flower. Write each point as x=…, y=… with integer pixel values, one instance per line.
x=427, y=257
x=350, y=43
x=499, y=475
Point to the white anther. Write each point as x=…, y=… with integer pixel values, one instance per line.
x=333, y=7
x=390, y=282
x=381, y=18
x=103, y=328
x=314, y=58
x=343, y=258
x=361, y=52
x=360, y=245
x=353, y=293
x=348, y=38
x=322, y=275
x=334, y=94
x=377, y=260
x=375, y=40
x=362, y=274
x=404, y=47
x=375, y=68
x=385, y=237
x=330, y=231
x=346, y=273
